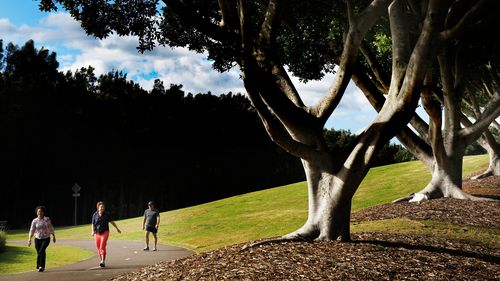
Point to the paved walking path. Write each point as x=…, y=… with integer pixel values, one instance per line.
x=123, y=256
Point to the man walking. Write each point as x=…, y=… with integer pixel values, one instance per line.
x=151, y=223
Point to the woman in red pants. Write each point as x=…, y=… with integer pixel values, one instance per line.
x=100, y=229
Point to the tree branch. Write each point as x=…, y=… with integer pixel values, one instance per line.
x=275, y=128
x=471, y=15
x=286, y=85
x=377, y=70
x=415, y=144
x=284, y=100
x=357, y=30
x=229, y=14
x=450, y=94
x=491, y=112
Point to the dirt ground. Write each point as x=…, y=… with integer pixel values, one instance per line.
x=372, y=256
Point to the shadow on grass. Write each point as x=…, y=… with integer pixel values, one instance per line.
x=14, y=256
x=433, y=249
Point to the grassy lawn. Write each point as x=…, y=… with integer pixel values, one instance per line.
x=267, y=213
x=20, y=258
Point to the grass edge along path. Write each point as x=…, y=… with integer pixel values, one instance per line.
x=267, y=213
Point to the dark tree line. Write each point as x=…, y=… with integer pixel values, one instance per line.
x=122, y=144
x=125, y=145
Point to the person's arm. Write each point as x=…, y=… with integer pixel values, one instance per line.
x=92, y=230
x=144, y=221
x=114, y=224
x=32, y=232
x=158, y=220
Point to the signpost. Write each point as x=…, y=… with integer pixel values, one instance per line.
x=76, y=193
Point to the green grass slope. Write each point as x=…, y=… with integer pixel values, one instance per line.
x=266, y=213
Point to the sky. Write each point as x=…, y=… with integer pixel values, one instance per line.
x=20, y=20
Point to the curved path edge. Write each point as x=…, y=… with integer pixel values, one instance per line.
x=123, y=256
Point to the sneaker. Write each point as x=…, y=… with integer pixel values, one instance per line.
x=102, y=264
x=146, y=249
x=154, y=249
x=40, y=269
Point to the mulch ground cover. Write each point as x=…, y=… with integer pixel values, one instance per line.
x=372, y=256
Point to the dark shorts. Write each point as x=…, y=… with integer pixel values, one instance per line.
x=151, y=228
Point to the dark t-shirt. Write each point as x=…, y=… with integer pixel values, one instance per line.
x=151, y=217
x=101, y=223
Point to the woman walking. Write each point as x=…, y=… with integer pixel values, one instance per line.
x=41, y=228
x=100, y=229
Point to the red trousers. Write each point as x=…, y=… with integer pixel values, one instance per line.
x=100, y=242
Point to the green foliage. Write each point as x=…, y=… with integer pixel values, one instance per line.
x=474, y=149
x=382, y=44
x=308, y=42
x=339, y=141
x=403, y=155
x=309, y=51
x=342, y=141
x=3, y=239
x=29, y=65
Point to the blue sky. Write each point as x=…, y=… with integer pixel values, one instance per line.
x=20, y=20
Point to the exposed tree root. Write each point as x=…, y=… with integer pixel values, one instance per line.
x=298, y=236
x=404, y=199
x=286, y=238
x=424, y=196
x=486, y=174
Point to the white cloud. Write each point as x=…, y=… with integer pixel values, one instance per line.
x=177, y=66
x=6, y=27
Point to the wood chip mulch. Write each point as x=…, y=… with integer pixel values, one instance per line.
x=478, y=214
x=372, y=256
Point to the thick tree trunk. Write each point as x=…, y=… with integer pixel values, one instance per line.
x=488, y=142
x=329, y=206
x=446, y=181
x=446, y=178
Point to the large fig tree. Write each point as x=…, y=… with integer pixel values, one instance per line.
x=441, y=143
x=265, y=37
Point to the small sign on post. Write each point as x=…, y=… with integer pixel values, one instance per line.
x=76, y=193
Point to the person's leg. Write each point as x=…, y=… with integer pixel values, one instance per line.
x=43, y=254
x=38, y=245
x=156, y=240
x=147, y=241
x=97, y=237
x=101, y=240
x=104, y=242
